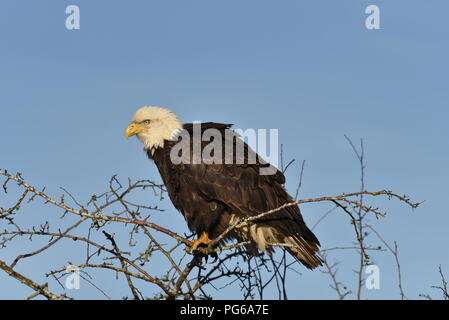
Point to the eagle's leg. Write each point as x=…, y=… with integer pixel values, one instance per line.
x=203, y=239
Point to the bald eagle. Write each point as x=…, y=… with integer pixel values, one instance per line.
x=212, y=196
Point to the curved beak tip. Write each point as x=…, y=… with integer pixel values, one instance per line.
x=130, y=130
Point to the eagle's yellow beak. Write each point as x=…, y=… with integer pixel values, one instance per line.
x=133, y=129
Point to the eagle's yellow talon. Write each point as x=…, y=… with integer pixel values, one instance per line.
x=204, y=239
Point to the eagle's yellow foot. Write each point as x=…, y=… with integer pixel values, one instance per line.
x=204, y=239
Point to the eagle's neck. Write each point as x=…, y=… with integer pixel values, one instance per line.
x=158, y=133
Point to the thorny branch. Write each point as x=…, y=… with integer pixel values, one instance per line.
x=187, y=276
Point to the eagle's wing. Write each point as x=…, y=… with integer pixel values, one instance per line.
x=242, y=189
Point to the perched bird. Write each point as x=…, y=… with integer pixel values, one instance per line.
x=212, y=196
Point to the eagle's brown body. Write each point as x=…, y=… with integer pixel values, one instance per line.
x=212, y=196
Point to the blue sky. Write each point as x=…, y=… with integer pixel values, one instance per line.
x=309, y=68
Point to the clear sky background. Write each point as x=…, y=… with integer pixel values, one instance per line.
x=309, y=68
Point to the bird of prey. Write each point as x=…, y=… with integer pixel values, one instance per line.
x=212, y=195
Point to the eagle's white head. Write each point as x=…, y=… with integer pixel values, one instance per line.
x=153, y=125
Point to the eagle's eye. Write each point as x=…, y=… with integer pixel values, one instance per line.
x=146, y=122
